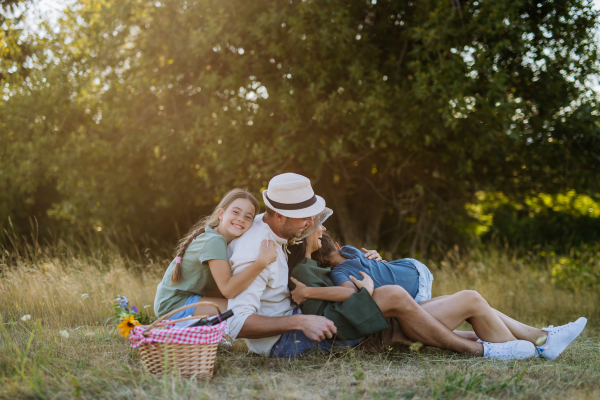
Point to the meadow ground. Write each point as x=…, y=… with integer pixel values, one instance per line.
x=70, y=289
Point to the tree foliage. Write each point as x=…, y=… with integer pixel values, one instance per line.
x=141, y=114
x=15, y=46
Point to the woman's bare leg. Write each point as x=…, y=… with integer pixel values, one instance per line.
x=518, y=329
x=522, y=331
x=210, y=310
x=469, y=306
x=434, y=299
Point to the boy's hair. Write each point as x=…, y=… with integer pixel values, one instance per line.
x=327, y=248
x=211, y=220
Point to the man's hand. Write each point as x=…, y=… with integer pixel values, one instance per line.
x=318, y=328
x=299, y=294
x=366, y=283
x=372, y=254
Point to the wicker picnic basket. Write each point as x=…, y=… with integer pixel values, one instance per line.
x=187, y=360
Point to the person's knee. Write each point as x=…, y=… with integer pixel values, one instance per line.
x=473, y=299
x=393, y=292
x=393, y=298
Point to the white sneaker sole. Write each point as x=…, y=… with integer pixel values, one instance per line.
x=553, y=354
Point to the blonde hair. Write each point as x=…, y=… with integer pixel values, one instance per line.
x=212, y=221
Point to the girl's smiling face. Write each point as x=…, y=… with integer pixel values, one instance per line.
x=235, y=219
x=313, y=241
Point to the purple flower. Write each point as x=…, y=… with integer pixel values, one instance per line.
x=134, y=309
x=123, y=302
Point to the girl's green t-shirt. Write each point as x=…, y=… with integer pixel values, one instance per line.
x=196, y=277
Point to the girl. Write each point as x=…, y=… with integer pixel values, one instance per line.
x=201, y=268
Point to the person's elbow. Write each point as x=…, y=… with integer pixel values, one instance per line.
x=349, y=285
x=229, y=293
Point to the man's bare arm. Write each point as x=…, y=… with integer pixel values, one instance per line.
x=315, y=327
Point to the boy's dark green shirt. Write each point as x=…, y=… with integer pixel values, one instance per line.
x=354, y=318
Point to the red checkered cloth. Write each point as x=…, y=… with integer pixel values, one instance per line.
x=190, y=335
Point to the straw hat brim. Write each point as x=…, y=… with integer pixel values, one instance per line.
x=319, y=219
x=314, y=209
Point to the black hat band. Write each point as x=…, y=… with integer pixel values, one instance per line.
x=294, y=206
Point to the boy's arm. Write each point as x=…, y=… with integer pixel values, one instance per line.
x=334, y=293
x=348, y=284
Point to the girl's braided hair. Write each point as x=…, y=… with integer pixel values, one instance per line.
x=212, y=221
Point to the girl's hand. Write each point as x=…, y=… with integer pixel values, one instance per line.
x=366, y=283
x=268, y=252
x=372, y=254
x=299, y=293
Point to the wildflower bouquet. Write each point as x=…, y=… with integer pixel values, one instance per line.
x=130, y=317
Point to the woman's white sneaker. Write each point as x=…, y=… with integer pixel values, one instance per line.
x=515, y=349
x=560, y=337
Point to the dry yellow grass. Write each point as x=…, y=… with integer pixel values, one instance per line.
x=36, y=361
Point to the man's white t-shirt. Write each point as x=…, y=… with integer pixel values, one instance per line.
x=268, y=295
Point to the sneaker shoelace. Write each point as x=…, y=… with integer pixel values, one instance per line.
x=551, y=330
x=557, y=329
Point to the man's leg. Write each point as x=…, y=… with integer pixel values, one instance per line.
x=417, y=324
x=294, y=344
x=470, y=306
x=464, y=334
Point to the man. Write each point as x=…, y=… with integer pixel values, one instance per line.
x=265, y=316
x=264, y=310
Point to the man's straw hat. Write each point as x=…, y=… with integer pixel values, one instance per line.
x=292, y=196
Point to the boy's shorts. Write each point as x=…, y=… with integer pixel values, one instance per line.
x=425, y=281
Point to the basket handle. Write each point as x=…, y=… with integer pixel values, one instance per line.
x=159, y=324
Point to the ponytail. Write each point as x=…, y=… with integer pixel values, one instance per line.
x=208, y=221
x=297, y=252
x=176, y=275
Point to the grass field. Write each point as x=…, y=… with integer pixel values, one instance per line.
x=70, y=289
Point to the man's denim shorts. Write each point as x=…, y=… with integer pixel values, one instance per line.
x=293, y=344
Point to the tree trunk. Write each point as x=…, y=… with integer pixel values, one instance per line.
x=348, y=224
x=375, y=212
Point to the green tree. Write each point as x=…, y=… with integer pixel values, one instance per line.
x=398, y=111
x=15, y=46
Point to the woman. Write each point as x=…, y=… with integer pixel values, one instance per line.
x=503, y=337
